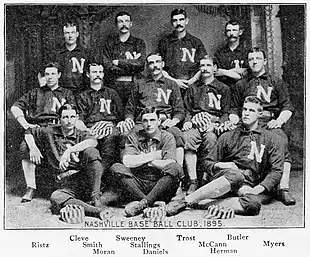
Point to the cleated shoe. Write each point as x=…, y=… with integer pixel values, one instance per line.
x=135, y=208
x=175, y=207
x=28, y=195
x=285, y=197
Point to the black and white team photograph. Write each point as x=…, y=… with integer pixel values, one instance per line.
x=179, y=116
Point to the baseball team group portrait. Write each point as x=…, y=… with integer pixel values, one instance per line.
x=153, y=112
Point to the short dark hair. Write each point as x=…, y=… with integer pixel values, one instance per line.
x=94, y=64
x=53, y=65
x=66, y=106
x=234, y=23
x=254, y=99
x=177, y=12
x=151, y=109
x=257, y=49
x=122, y=14
x=210, y=57
x=69, y=24
x=152, y=53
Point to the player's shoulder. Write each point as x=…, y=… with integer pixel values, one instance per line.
x=221, y=85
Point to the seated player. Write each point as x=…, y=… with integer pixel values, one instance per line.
x=66, y=150
x=246, y=162
x=277, y=105
x=39, y=106
x=100, y=108
x=157, y=91
x=149, y=171
x=207, y=104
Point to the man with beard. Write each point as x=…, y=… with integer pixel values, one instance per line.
x=125, y=54
x=246, y=164
x=207, y=105
x=180, y=50
x=278, y=108
x=100, y=108
x=160, y=92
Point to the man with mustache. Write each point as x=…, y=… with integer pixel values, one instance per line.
x=232, y=58
x=160, y=92
x=181, y=51
x=278, y=108
x=73, y=58
x=100, y=108
x=125, y=54
x=208, y=100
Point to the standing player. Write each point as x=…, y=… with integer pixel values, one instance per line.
x=125, y=54
x=73, y=58
x=277, y=107
x=39, y=106
x=100, y=108
x=157, y=91
x=246, y=162
x=208, y=100
x=180, y=50
x=149, y=171
x=232, y=58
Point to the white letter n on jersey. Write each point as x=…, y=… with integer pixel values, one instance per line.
x=105, y=105
x=214, y=101
x=266, y=95
x=186, y=52
x=161, y=93
x=76, y=65
x=254, y=152
x=57, y=104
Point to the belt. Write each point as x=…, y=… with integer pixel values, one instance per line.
x=124, y=78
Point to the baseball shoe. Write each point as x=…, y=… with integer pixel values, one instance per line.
x=219, y=212
x=135, y=208
x=285, y=197
x=193, y=186
x=28, y=195
x=106, y=213
x=175, y=207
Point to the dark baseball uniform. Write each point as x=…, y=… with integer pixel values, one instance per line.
x=227, y=59
x=213, y=98
x=274, y=95
x=131, y=56
x=74, y=65
x=164, y=94
x=145, y=177
x=102, y=105
x=52, y=144
x=182, y=55
x=40, y=105
x=259, y=156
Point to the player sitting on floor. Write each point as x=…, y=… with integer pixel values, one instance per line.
x=246, y=162
x=149, y=171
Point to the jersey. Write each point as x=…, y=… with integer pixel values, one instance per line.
x=74, y=65
x=259, y=153
x=42, y=103
x=53, y=143
x=104, y=104
x=181, y=56
x=130, y=55
x=164, y=94
x=227, y=59
x=271, y=90
x=213, y=98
